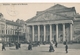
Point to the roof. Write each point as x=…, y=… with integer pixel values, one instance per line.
x=54, y=13
x=57, y=6
x=12, y=23
x=22, y=22
x=57, y=9
x=49, y=17
x=77, y=15
x=2, y=19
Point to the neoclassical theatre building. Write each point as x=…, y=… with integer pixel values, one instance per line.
x=57, y=23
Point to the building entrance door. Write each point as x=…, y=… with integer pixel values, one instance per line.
x=41, y=39
x=48, y=38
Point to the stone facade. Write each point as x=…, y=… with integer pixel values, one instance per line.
x=58, y=23
x=12, y=31
x=2, y=27
x=8, y=29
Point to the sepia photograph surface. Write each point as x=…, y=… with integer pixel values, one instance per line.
x=39, y=28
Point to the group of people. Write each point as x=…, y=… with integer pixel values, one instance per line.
x=17, y=45
x=51, y=47
x=33, y=45
x=30, y=46
x=3, y=47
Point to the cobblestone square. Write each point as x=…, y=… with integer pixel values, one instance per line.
x=39, y=50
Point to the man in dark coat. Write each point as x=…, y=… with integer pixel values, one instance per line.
x=16, y=45
x=51, y=48
x=3, y=47
x=66, y=48
x=30, y=46
x=56, y=44
x=19, y=45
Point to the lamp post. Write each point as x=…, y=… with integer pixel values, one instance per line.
x=17, y=35
x=2, y=36
x=18, y=31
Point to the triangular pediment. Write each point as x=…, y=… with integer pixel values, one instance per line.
x=57, y=6
x=56, y=12
x=48, y=16
x=57, y=9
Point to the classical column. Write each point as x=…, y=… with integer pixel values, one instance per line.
x=70, y=32
x=63, y=32
x=50, y=32
x=28, y=33
x=32, y=32
x=57, y=32
x=38, y=32
x=44, y=32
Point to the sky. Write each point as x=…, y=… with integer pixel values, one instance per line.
x=26, y=11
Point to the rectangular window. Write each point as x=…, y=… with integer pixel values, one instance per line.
x=6, y=31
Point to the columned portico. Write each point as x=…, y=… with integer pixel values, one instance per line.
x=56, y=27
x=44, y=32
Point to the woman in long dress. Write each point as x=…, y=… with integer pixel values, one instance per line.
x=51, y=47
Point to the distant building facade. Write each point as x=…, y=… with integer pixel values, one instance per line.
x=2, y=27
x=8, y=30
x=12, y=33
x=24, y=29
x=58, y=23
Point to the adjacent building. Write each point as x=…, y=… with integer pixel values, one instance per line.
x=11, y=31
x=57, y=23
x=15, y=31
x=2, y=27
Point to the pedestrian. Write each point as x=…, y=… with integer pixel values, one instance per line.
x=38, y=43
x=3, y=46
x=9, y=44
x=66, y=48
x=30, y=46
x=51, y=42
x=51, y=47
x=17, y=45
x=56, y=44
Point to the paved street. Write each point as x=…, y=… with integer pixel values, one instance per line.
x=42, y=50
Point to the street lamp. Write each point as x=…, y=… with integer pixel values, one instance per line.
x=18, y=31
x=2, y=36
